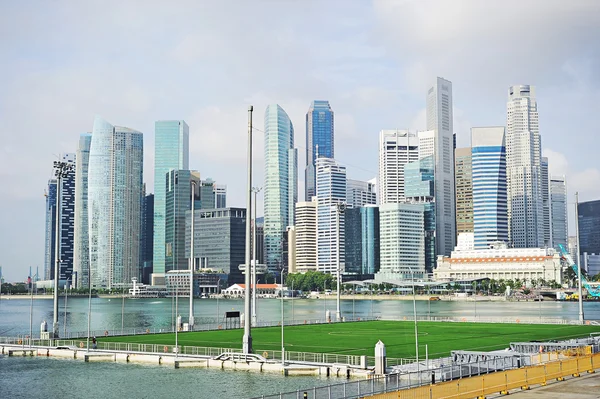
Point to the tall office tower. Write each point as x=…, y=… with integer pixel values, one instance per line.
x=490, y=217
x=281, y=183
x=589, y=220
x=220, y=191
x=352, y=241
x=558, y=206
x=207, y=194
x=523, y=169
x=66, y=224
x=439, y=119
x=420, y=185
x=115, y=184
x=178, y=202
x=81, y=253
x=396, y=149
x=331, y=191
x=171, y=151
x=362, y=240
x=306, y=236
x=319, y=132
x=260, y=239
x=426, y=143
x=464, y=190
x=49, y=250
x=147, y=237
x=545, y=183
x=360, y=193
x=402, y=241
x=572, y=245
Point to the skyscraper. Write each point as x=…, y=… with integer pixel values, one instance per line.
x=396, y=149
x=464, y=190
x=81, y=253
x=331, y=190
x=545, y=183
x=558, y=205
x=171, y=151
x=589, y=220
x=66, y=224
x=147, y=237
x=439, y=119
x=360, y=193
x=281, y=183
x=319, y=132
x=490, y=217
x=361, y=229
x=523, y=169
x=220, y=191
x=115, y=184
x=306, y=236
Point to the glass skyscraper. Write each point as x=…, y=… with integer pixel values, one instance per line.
x=558, y=206
x=81, y=253
x=50, y=229
x=147, y=239
x=490, y=217
x=281, y=183
x=115, y=187
x=171, y=152
x=589, y=220
x=362, y=240
x=319, y=132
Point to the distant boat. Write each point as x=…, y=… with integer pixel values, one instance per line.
x=204, y=295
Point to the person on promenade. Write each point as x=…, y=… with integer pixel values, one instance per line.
x=94, y=345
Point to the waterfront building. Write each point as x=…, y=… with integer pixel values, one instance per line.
x=402, y=241
x=171, y=152
x=523, y=169
x=464, y=190
x=206, y=281
x=499, y=262
x=281, y=184
x=396, y=149
x=362, y=240
x=590, y=263
x=220, y=191
x=352, y=241
x=306, y=236
x=147, y=238
x=177, y=204
x=360, y=193
x=545, y=184
x=260, y=240
x=219, y=240
x=439, y=119
x=419, y=178
x=66, y=224
x=319, y=139
x=115, y=184
x=81, y=253
x=558, y=211
x=490, y=217
x=331, y=191
x=589, y=220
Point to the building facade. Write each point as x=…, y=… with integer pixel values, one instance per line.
x=490, y=214
x=81, y=253
x=171, y=151
x=360, y=193
x=115, y=185
x=281, y=184
x=558, y=211
x=319, y=139
x=589, y=220
x=523, y=169
x=331, y=191
x=50, y=230
x=464, y=190
x=220, y=191
x=147, y=237
x=306, y=236
x=439, y=119
x=396, y=149
x=546, y=204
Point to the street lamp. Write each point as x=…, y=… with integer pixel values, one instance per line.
x=247, y=339
x=61, y=170
x=282, y=321
x=66, y=297
x=192, y=260
x=581, y=316
x=255, y=190
x=340, y=209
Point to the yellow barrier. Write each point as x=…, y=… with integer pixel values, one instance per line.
x=499, y=382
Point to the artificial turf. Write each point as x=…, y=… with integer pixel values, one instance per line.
x=359, y=338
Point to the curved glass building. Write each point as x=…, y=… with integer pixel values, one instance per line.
x=319, y=132
x=281, y=183
x=115, y=187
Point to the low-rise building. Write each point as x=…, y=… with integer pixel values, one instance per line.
x=499, y=262
x=239, y=290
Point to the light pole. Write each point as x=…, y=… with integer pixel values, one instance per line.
x=61, y=170
x=282, y=321
x=177, y=322
x=66, y=297
x=192, y=260
x=89, y=306
x=415, y=315
x=340, y=209
x=123, y=310
x=218, y=293
x=255, y=190
x=247, y=339
x=581, y=317
x=31, y=313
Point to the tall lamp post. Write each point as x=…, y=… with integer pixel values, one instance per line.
x=255, y=190
x=340, y=209
x=247, y=339
x=192, y=260
x=581, y=317
x=61, y=170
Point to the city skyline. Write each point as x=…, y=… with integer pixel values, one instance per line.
x=360, y=71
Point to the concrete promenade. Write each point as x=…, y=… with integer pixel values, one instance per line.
x=584, y=387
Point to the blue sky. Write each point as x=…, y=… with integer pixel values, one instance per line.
x=136, y=62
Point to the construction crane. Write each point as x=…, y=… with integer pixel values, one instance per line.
x=564, y=255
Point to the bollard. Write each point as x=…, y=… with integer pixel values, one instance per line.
x=380, y=358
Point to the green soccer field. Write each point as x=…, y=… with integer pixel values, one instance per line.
x=359, y=338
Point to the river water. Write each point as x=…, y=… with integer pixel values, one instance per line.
x=43, y=378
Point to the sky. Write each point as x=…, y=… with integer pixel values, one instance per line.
x=135, y=62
